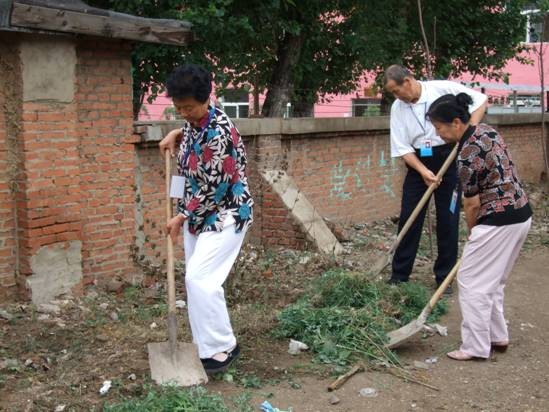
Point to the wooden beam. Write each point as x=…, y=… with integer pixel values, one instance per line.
x=114, y=25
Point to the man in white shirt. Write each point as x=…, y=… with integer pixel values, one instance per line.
x=414, y=139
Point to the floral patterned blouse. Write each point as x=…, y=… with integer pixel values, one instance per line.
x=486, y=169
x=212, y=158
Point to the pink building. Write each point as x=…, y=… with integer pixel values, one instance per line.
x=524, y=83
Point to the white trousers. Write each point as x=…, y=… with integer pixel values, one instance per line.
x=487, y=261
x=209, y=257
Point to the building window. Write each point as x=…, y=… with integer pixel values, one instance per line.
x=235, y=103
x=366, y=107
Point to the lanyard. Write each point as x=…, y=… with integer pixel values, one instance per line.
x=211, y=114
x=424, y=125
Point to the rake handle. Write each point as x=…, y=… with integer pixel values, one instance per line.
x=451, y=157
x=172, y=321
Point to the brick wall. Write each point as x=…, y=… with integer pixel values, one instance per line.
x=150, y=209
x=105, y=158
x=343, y=166
x=525, y=145
x=67, y=152
x=273, y=224
x=349, y=176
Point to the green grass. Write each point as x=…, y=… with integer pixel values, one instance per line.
x=172, y=399
x=251, y=381
x=345, y=316
x=242, y=401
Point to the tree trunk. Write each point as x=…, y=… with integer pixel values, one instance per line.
x=256, y=100
x=281, y=85
x=385, y=105
x=255, y=96
x=544, y=137
x=303, y=109
x=425, y=43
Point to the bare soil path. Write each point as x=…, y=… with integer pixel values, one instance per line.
x=515, y=381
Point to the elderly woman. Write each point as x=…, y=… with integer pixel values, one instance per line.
x=215, y=209
x=498, y=218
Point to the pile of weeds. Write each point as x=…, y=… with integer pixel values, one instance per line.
x=345, y=316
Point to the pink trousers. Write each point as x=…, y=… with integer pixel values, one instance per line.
x=486, y=263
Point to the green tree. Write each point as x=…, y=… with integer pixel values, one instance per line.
x=299, y=52
x=541, y=16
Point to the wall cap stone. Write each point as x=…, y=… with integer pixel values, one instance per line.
x=153, y=131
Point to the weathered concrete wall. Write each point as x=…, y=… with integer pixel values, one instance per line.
x=48, y=69
x=56, y=270
x=10, y=165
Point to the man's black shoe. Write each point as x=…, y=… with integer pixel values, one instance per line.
x=212, y=366
x=393, y=281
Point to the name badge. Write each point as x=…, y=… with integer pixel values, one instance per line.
x=453, y=202
x=426, y=149
x=177, y=187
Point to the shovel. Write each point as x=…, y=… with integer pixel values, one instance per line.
x=174, y=362
x=384, y=260
x=398, y=336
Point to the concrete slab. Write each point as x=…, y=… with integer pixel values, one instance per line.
x=56, y=269
x=303, y=211
x=49, y=66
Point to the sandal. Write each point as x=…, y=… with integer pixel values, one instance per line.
x=212, y=366
x=459, y=356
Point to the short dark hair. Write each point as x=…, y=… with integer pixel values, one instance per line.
x=449, y=107
x=190, y=80
x=397, y=73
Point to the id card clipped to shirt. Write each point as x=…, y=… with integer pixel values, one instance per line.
x=453, y=202
x=426, y=148
x=177, y=187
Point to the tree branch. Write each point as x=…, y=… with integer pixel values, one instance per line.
x=425, y=42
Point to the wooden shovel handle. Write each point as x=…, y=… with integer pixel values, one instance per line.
x=172, y=324
x=444, y=285
x=451, y=157
x=422, y=318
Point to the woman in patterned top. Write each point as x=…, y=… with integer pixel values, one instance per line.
x=498, y=218
x=215, y=210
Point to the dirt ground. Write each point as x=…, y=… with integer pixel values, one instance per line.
x=58, y=361
x=515, y=381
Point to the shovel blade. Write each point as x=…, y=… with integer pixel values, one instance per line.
x=381, y=264
x=181, y=367
x=397, y=337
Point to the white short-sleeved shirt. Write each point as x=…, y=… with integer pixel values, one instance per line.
x=410, y=128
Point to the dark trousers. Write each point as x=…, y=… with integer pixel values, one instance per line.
x=447, y=222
